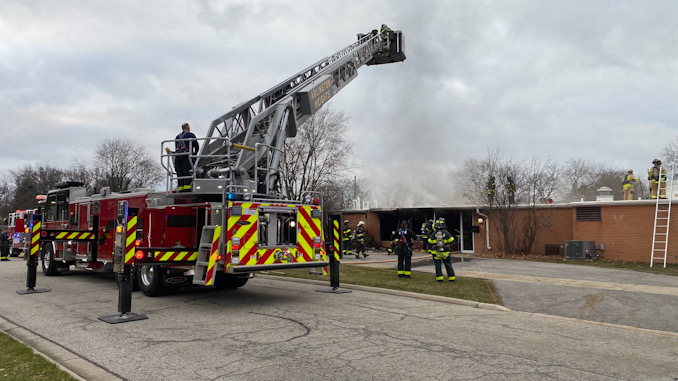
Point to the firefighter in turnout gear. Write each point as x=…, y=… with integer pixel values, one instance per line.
x=359, y=238
x=440, y=243
x=628, y=185
x=655, y=174
x=511, y=190
x=182, y=162
x=4, y=244
x=426, y=230
x=405, y=238
x=491, y=187
x=346, y=234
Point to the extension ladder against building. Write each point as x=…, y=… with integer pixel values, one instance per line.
x=662, y=219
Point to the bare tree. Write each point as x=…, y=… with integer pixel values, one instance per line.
x=670, y=152
x=30, y=181
x=519, y=188
x=318, y=155
x=585, y=178
x=123, y=164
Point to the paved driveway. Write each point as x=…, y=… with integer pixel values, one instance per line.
x=622, y=297
x=274, y=329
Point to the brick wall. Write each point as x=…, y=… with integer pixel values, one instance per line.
x=625, y=229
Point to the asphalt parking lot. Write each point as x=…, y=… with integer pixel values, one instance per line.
x=275, y=329
x=630, y=298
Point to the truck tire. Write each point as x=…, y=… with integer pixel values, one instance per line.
x=225, y=281
x=150, y=280
x=49, y=265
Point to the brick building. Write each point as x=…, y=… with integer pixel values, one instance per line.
x=621, y=230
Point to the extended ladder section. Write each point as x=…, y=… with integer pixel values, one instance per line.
x=662, y=219
x=244, y=147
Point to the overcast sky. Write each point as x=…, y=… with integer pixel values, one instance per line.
x=592, y=79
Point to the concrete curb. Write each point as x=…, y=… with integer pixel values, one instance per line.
x=69, y=362
x=434, y=298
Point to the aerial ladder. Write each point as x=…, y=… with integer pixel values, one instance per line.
x=242, y=150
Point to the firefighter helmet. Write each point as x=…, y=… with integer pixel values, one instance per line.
x=361, y=223
x=630, y=170
x=657, y=161
x=440, y=223
x=345, y=221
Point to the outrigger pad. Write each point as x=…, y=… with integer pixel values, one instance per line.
x=335, y=291
x=122, y=318
x=33, y=291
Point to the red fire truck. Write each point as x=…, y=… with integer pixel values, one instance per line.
x=17, y=223
x=235, y=221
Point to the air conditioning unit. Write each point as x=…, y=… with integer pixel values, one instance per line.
x=580, y=249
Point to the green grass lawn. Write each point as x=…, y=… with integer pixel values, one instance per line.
x=19, y=362
x=478, y=290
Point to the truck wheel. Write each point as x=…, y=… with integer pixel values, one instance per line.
x=49, y=266
x=225, y=281
x=150, y=280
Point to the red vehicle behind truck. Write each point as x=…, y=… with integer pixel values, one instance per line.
x=17, y=223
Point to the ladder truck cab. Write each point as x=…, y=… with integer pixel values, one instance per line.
x=235, y=220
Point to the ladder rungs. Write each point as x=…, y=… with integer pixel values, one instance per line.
x=662, y=226
x=661, y=233
x=659, y=250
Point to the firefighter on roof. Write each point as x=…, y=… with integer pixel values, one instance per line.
x=440, y=243
x=655, y=174
x=511, y=190
x=628, y=185
x=491, y=187
x=182, y=162
x=359, y=235
x=346, y=240
x=404, y=238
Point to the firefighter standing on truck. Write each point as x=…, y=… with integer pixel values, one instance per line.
x=440, y=243
x=654, y=174
x=359, y=235
x=182, y=162
x=346, y=240
x=4, y=244
x=404, y=238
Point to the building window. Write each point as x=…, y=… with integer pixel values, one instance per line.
x=588, y=213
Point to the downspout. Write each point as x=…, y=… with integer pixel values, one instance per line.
x=487, y=228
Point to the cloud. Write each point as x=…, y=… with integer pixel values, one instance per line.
x=549, y=78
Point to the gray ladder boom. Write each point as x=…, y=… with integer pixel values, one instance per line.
x=204, y=251
x=662, y=219
x=244, y=146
